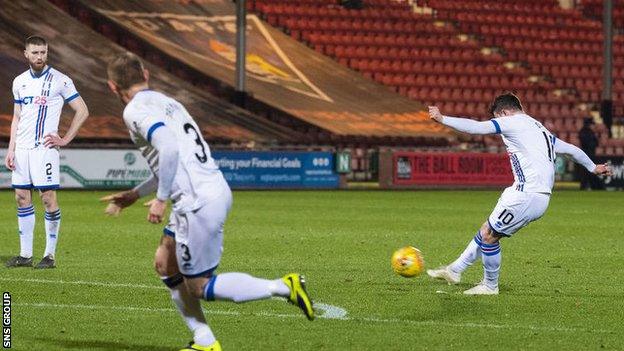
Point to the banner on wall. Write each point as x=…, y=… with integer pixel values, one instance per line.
x=94, y=169
x=123, y=169
x=450, y=169
x=269, y=169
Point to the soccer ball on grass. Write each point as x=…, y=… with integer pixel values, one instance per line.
x=407, y=262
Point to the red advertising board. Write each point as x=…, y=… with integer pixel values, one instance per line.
x=450, y=169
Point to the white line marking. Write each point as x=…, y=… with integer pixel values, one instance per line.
x=355, y=319
x=329, y=311
x=79, y=282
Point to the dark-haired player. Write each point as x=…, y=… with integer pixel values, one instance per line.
x=532, y=151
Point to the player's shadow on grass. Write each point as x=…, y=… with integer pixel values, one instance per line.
x=4, y=259
x=65, y=344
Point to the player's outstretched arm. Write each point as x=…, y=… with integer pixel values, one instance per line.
x=80, y=116
x=465, y=125
x=580, y=157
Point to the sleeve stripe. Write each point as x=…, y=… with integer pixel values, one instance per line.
x=152, y=129
x=497, y=126
x=72, y=97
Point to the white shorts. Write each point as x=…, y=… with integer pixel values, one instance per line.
x=36, y=169
x=516, y=209
x=199, y=236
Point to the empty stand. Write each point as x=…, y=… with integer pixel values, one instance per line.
x=460, y=54
x=298, y=84
x=82, y=54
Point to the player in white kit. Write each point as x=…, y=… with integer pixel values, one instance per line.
x=532, y=151
x=33, y=156
x=185, y=173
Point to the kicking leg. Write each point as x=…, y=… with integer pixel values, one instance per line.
x=472, y=252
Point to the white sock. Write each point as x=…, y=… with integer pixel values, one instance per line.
x=492, y=258
x=469, y=256
x=241, y=287
x=26, y=226
x=52, y=225
x=190, y=310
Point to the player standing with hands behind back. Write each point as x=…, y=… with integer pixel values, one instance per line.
x=532, y=151
x=184, y=172
x=33, y=155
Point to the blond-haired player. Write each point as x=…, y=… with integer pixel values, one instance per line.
x=185, y=173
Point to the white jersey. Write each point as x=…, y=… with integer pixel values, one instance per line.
x=41, y=99
x=198, y=179
x=531, y=152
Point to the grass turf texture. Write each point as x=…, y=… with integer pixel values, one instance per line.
x=562, y=282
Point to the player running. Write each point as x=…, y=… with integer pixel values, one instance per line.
x=33, y=155
x=184, y=172
x=532, y=151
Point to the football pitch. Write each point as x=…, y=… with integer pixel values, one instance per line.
x=562, y=277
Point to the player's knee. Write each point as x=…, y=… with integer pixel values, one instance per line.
x=164, y=269
x=23, y=198
x=49, y=200
x=165, y=266
x=488, y=236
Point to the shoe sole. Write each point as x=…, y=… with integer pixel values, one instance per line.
x=19, y=265
x=488, y=294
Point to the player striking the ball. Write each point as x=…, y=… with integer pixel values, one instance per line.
x=532, y=151
x=185, y=173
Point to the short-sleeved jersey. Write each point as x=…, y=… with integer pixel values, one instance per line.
x=531, y=152
x=198, y=179
x=41, y=98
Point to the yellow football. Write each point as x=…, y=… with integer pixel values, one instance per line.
x=407, y=262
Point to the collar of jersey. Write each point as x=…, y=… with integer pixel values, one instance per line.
x=42, y=73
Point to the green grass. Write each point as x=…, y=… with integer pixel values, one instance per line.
x=562, y=279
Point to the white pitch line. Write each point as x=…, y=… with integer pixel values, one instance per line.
x=481, y=326
x=281, y=315
x=80, y=282
x=329, y=311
